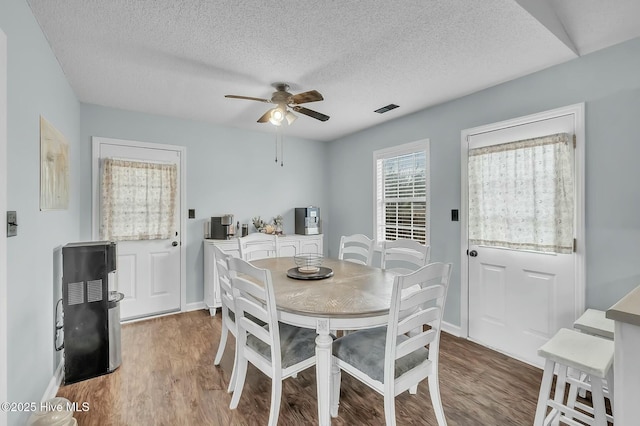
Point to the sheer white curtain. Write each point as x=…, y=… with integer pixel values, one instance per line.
x=138, y=200
x=521, y=194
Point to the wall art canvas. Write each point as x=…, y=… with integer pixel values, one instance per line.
x=54, y=168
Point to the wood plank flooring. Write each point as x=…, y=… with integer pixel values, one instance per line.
x=167, y=377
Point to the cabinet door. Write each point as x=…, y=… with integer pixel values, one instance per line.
x=311, y=245
x=288, y=247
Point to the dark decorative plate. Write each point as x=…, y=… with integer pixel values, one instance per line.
x=321, y=274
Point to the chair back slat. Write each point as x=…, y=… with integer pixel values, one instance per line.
x=253, y=294
x=420, y=340
x=356, y=248
x=258, y=246
x=418, y=319
x=426, y=305
x=255, y=329
x=224, y=278
x=422, y=296
x=403, y=256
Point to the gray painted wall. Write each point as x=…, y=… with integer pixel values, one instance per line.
x=228, y=171
x=608, y=81
x=36, y=86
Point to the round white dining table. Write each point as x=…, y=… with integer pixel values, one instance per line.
x=355, y=297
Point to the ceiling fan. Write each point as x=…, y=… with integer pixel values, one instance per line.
x=284, y=102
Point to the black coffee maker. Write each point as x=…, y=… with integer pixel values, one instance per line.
x=222, y=227
x=307, y=220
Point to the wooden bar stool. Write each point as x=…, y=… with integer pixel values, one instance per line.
x=582, y=352
x=595, y=322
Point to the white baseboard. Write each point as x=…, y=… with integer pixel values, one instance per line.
x=194, y=306
x=54, y=383
x=454, y=330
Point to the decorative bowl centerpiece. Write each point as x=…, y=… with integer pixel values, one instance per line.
x=308, y=263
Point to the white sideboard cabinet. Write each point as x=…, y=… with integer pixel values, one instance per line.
x=289, y=245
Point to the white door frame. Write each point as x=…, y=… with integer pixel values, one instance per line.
x=4, y=340
x=577, y=110
x=95, y=195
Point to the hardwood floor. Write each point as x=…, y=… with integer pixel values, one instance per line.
x=167, y=377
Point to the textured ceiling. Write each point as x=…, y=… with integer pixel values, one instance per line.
x=179, y=58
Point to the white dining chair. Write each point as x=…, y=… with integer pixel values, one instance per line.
x=403, y=256
x=357, y=248
x=386, y=358
x=228, y=310
x=278, y=350
x=258, y=246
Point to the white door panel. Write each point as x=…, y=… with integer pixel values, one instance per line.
x=149, y=271
x=518, y=299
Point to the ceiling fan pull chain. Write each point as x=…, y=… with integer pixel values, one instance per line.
x=277, y=133
x=281, y=151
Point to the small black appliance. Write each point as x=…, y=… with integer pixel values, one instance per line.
x=307, y=220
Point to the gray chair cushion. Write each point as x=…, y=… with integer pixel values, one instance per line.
x=296, y=344
x=364, y=350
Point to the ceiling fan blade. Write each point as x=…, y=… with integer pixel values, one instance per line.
x=311, y=113
x=249, y=98
x=310, y=96
x=265, y=117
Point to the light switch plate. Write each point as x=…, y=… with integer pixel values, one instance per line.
x=12, y=224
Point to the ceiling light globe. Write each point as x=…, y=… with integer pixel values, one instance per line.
x=277, y=115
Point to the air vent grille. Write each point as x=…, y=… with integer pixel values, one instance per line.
x=94, y=291
x=75, y=295
x=386, y=108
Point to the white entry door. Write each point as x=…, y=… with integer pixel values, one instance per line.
x=148, y=271
x=518, y=296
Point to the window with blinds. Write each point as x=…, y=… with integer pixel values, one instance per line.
x=402, y=192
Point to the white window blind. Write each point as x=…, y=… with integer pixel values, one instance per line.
x=138, y=200
x=521, y=194
x=402, y=193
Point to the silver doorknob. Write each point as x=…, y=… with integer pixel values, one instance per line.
x=175, y=243
x=473, y=253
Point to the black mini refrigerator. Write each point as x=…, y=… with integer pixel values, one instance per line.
x=87, y=269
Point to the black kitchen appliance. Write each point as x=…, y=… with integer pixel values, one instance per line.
x=222, y=227
x=307, y=220
x=91, y=334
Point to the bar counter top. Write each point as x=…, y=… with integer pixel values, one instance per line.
x=627, y=309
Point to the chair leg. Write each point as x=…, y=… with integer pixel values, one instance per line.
x=597, y=399
x=222, y=344
x=276, y=395
x=545, y=390
x=561, y=384
x=575, y=390
x=436, y=401
x=413, y=389
x=610, y=387
x=234, y=371
x=240, y=378
x=583, y=391
x=390, y=408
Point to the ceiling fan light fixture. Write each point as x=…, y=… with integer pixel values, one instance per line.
x=291, y=117
x=277, y=115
